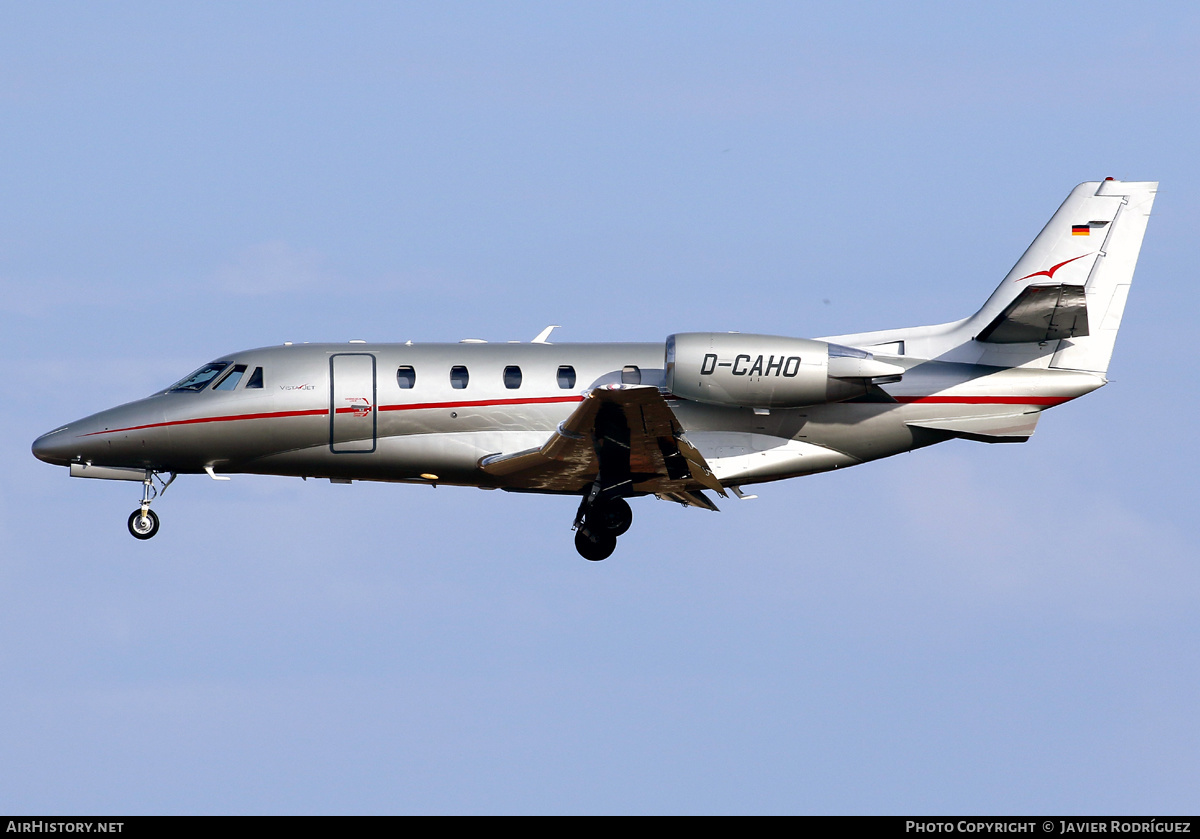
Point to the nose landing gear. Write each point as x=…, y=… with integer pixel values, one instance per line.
x=143, y=522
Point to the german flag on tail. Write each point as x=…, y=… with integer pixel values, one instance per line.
x=1086, y=229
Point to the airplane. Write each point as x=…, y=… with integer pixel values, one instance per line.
x=698, y=413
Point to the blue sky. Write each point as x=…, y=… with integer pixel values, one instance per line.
x=965, y=629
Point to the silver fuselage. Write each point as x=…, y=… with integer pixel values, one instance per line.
x=338, y=411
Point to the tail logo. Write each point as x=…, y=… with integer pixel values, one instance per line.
x=1050, y=272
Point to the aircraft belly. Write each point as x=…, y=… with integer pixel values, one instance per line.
x=821, y=438
x=826, y=437
x=453, y=457
x=747, y=458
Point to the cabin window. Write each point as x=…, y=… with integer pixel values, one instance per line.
x=406, y=377
x=230, y=380
x=459, y=377
x=200, y=379
x=566, y=377
x=631, y=375
x=512, y=377
x=255, y=379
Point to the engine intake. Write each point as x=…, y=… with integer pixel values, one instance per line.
x=768, y=371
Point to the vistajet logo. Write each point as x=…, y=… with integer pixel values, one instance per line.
x=1049, y=272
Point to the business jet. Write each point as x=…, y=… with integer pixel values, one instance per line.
x=681, y=419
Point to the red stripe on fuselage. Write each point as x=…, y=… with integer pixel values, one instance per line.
x=552, y=400
x=271, y=415
x=322, y=412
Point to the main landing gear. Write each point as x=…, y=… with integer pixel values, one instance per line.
x=596, y=536
x=604, y=513
x=143, y=522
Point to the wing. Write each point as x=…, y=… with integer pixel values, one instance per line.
x=629, y=429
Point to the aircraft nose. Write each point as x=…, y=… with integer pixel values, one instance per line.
x=54, y=446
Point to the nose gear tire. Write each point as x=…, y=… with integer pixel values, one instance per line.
x=143, y=526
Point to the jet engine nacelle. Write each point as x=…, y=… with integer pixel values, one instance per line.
x=768, y=371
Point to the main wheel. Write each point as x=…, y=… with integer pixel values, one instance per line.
x=614, y=517
x=594, y=547
x=143, y=526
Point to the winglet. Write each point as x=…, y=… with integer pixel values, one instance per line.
x=544, y=334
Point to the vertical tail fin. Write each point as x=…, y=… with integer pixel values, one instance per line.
x=1109, y=278
x=1061, y=304
x=1083, y=259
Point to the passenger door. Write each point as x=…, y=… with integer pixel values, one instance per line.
x=352, y=408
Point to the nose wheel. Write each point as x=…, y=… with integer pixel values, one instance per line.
x=143, y=523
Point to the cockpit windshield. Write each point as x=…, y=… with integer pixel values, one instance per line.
x=230, y=380
x=200, y=379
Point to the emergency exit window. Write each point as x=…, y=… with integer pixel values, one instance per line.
x=566, y=377
x=459, y=377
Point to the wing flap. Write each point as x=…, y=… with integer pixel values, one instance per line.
x=660, y=458
x=695, y=498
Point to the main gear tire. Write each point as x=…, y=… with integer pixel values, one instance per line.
x=594, y=546
x=613, y=517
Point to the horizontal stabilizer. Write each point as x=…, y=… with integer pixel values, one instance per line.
x=1003, y=428
x=1040, y=313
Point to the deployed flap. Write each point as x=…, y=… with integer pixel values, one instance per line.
x=1001, y=428
x=660, y=458
x=695, y=498
x=1040, y=313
